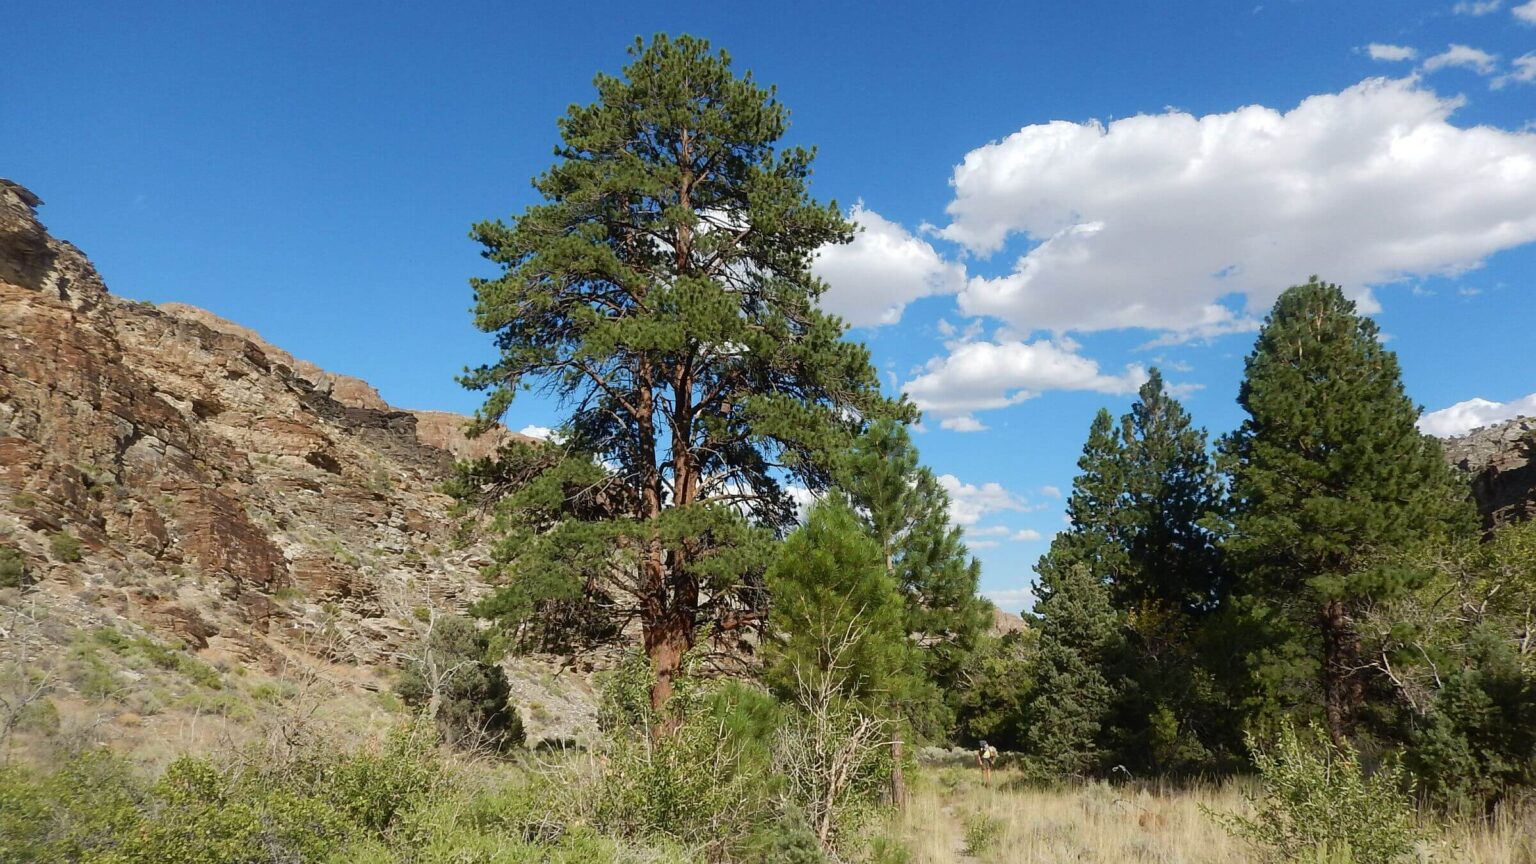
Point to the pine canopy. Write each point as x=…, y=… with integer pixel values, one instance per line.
x=662, y=290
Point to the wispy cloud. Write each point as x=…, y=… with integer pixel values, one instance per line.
x=1524, y=72
x=1477, y=8
x=1464, y=57
x=1390, y=53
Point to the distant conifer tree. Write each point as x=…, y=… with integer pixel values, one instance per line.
x=1065, y=717
x=1144, y=510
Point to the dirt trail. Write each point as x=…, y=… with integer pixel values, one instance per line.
x=959, y=850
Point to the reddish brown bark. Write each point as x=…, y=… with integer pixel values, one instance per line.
x=1343, y=688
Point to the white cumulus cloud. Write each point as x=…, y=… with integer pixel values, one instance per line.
x=871, y=280
x=1154, y=221
x=1463, y=417
x=969, y=502
x=1525, y=12
x=1050, y=491
x=978, y=376
x=542, y=433
x=1390, y=53
x=1027, y=535
x=1463, y=57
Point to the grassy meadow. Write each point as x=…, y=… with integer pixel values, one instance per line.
x=954, y=816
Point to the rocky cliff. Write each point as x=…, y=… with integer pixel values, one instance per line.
x=1501, y=461
x=169, y=477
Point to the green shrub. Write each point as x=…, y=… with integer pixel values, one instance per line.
x=139, y=650
x=375, y=788
x=274, y=691
x=1317, y=804
x=455, y=662
x=888, y=850
x=40, y=717
x=705, y=783
x=65, y=547
x=72, y=814
x=981, y=833
x=91, y=675
x=176, y=659
x=507, y=824
x=1477, y=743
x=787, y=841
x=202, y=814
x=13, y=568
x=358, y=805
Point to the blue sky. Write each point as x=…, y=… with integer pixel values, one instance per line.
x=1055, y=196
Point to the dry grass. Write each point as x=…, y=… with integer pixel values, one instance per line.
x=952, y=816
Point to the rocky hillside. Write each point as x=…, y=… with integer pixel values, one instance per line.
x=174, y=482
x=1501, y=460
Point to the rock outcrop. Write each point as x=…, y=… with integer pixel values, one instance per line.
x=1004, y=623
x=221, y=492
x=1501, y=461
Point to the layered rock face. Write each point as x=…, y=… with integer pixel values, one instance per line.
x=220, y=489
x=1501, y=460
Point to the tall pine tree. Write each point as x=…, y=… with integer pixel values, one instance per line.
x=1143, y=510
x=1171, y=502
x=1170, y=713
x=1329, y=474
x=906, y=511
x=1066, y=715
x=662, y=289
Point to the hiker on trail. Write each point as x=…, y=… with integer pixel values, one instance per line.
x=985, y=756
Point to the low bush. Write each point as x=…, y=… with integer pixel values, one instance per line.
x=1318, y=804
x=65, y=547
x=95, y=810
x=981, y=833
x=703, y=783
x=13, y=568
x=787, y=841
x=452, y=674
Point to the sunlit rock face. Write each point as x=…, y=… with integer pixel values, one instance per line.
x=222, y=490
x=1501, y=460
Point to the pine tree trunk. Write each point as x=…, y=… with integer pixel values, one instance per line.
x=898, y=779
x=665, y=644
x=1343, y=691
